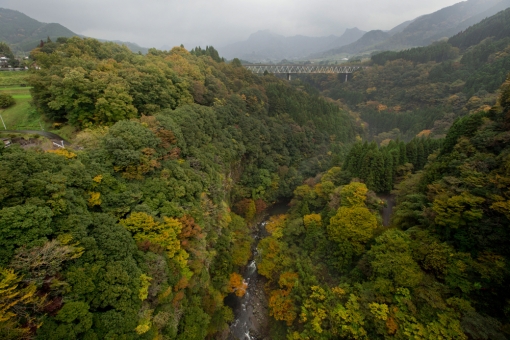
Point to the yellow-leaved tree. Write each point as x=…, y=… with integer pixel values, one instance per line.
x=354, y=194
x=312, y=221
x=275, y=225
x=15, y=301
x=354, y=223
x=152, y=234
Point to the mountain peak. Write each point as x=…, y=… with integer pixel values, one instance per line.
x=423, y=30
x=264, y=33
x=354, y=29
x=24, y=33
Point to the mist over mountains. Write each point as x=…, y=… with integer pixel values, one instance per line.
x=421, y=31
x=266, y=45
x=443, y=23
x=23, y=33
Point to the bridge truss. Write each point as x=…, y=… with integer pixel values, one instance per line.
x=300, y=69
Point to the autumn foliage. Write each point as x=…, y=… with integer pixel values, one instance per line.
x=246, y=208
x=275, y=224
x=281, y=305
x=237, y=285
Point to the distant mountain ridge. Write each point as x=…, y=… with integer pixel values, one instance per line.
x=367, y=41
x=399, y=28
x=496, y=27
x=265, y=45
x=424, y=30
x=445, y=23
x=24, y=33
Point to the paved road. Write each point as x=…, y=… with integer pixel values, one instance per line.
x=50, y=135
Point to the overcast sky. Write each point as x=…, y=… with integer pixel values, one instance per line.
x=158, y=23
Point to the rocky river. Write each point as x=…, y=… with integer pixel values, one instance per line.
x=251, y=311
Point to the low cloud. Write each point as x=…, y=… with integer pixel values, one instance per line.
x=156, y=23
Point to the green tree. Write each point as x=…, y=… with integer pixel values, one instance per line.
x=23, y=225
x=6, y=51
x=391, y=258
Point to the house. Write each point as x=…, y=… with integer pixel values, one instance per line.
x=4, y=61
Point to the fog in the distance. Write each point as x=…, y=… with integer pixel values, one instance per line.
x=164, y=23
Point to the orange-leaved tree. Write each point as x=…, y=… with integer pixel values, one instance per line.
x=237, y=285
x=281, y=304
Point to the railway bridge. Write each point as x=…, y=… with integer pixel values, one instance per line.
x=300, y=69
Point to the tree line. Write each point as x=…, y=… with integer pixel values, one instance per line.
x=380, y=167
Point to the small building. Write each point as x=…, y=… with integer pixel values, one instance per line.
x=4, y=61
x=7, y=142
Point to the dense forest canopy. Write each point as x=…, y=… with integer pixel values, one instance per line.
x=143, y=227
x=440, y=271
x=133, y=237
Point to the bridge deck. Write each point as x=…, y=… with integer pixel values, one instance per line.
x=288, y=69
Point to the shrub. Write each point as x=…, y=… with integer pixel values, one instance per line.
x=6, y=101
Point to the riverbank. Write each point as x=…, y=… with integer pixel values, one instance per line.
x=251, y=311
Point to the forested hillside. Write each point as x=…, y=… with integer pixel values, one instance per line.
x=425, y=29
x=129, y=234
x=440, y=271
x=143, y=226
x=425, y=89
x=24, y=33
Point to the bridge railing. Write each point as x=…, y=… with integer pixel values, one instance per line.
x=293, y=69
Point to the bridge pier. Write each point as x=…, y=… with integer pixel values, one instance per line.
x=289, y=77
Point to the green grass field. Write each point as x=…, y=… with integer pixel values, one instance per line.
x=21, y=115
